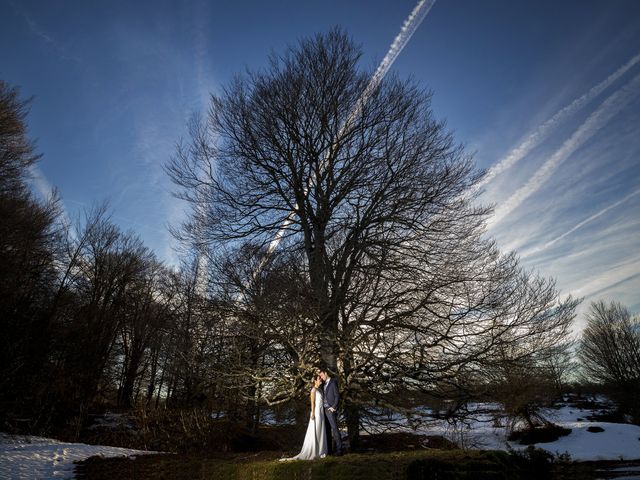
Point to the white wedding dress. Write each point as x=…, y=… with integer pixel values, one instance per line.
x=315, y=440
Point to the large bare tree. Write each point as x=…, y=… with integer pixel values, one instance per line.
x=278, y=141
x=376, y=197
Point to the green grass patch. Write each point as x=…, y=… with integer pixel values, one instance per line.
x=440, y=465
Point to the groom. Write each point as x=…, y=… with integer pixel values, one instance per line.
x=331, y=398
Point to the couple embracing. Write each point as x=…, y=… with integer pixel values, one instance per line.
x=322, y=432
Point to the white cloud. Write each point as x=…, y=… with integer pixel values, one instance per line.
x=598, y=118
x=41, y=183
x=582, y=223
x=619, y=282
x=542, y=132
x=38, y=31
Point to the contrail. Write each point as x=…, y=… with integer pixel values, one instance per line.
x=603, y=281
x=409, y=27
x=609, y=108
x=591, y=218
x=543, y=131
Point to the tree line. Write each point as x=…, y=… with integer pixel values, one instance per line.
x=89, y=315
x=383, y=273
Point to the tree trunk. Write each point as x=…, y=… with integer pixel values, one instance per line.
x=161, y=382
x=152, y=378
x=352, y=416
x=351, y=409
x=329, y=340
x=130, y=376
x=252, y=409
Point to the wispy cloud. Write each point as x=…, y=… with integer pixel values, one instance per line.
x=41, y=183
x=596, y=263
x=598, y=118
x=202, y=54
x=605, y=173
x=46, y=191
x=37, y=30
x=581, y=224
x=542, y=132
x=609, y=279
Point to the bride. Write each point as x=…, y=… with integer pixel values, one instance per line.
x=315, y=441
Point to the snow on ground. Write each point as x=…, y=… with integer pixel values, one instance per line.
x=486, y=430
x=619, y=441
x=26, y=457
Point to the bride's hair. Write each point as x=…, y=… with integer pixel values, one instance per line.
x=315, y=379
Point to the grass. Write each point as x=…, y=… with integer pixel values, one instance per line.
x=424, y=464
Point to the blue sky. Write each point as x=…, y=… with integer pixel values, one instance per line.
x=115, y=83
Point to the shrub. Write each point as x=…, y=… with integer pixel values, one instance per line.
x=545, y=434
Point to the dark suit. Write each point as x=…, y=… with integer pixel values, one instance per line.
x=331, y=400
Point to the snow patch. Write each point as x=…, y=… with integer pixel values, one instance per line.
x=485, y=429
x=27, y=457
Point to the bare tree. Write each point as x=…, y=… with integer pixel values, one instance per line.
x=610, y=352
x=271, y=330
x=376, y=198
x=192, y=339
x=106, y=264
x=87, y=314
x=525, y=380
x=147, y=313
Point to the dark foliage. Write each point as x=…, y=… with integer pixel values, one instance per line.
x=595, y=429
x=29, y=242
x=545, y=434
